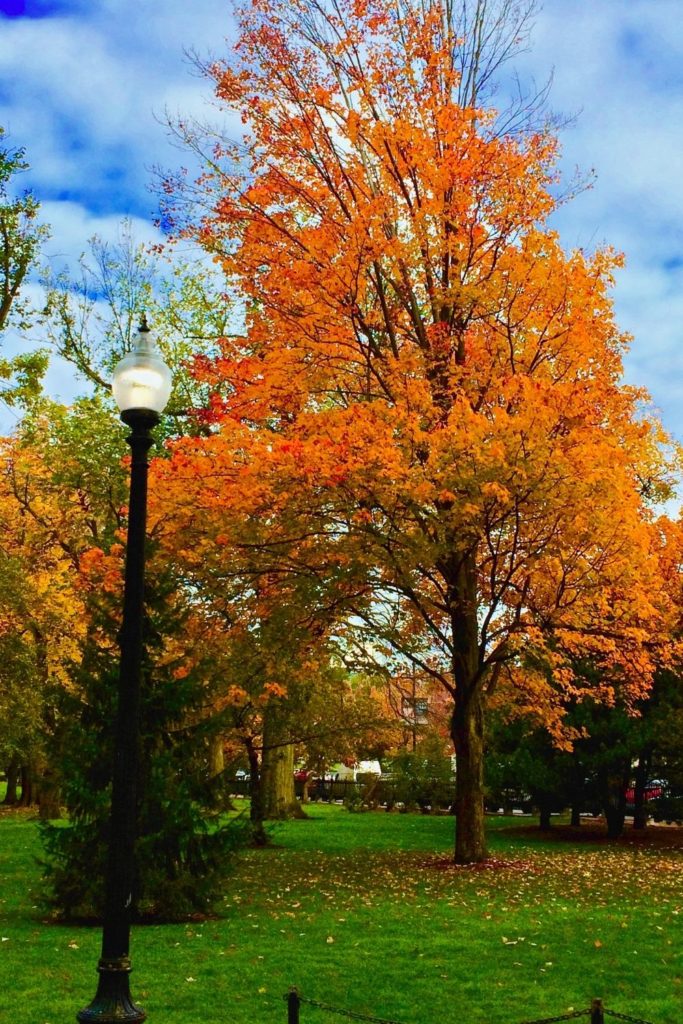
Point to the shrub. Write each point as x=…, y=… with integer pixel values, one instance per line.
x=422, y=778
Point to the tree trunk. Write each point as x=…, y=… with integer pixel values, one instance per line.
x=277, y=770
x=614, y=816
x=219, y=792
x=258, y=833
x=28, y=788
x=216, y=756
x=467, y=724
x=639, y=810
x=468, y=740
x=12, y=783
x=577, y=789
x=544, y=822
x=614, y=801
x=49, y=803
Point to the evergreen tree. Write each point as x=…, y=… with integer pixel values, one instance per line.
x=183, y=851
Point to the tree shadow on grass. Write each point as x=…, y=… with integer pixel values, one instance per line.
x=593, y=833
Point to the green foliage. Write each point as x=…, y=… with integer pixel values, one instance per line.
x=668, y=808
x=523, y=767
x=22, y=377
x=82, y=447
x=93, y=314
x=355, y=804
x=19, y=698
x=22, y=678
x=340, y=718
x=662, y=728
x=424, y=777
x=184, y=851
x=93, y=335
x=21, y=237
x=613, y=748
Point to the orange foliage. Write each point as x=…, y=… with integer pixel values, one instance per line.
x=426, y=411
x=40, y=597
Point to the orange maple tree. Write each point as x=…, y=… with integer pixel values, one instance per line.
x=41, y=613
x=427, y=396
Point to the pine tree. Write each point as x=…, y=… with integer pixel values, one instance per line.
x=184, y=850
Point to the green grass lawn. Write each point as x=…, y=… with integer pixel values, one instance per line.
x=361, y=911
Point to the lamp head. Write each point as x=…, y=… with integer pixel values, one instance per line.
x=142, y=380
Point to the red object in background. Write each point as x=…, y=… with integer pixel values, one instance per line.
x=649, y=793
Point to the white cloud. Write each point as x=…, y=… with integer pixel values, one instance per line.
x=72, y=225
x=86, y=94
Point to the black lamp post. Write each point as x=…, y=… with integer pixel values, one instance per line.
x=141, y=385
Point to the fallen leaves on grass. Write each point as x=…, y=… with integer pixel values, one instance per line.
x=302, y=886
x=490, y=864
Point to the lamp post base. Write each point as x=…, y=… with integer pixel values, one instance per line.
x=113, y=1003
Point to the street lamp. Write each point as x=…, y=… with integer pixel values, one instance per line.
x=141, y=386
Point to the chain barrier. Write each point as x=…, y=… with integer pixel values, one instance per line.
x=625, y=1016
x=293, y=997
x=342, y=1013
x=563, y=1016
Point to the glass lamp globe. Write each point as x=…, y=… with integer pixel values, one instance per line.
x=142, y=380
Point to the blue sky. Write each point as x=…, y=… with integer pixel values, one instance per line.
x=84, y=85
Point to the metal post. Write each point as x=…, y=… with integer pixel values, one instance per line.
x=113, y=1002
x=293, y=1004
x=597, y=1013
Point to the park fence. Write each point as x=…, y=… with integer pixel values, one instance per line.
x=379, y=791
x=328, y=790
x=596, y=1011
